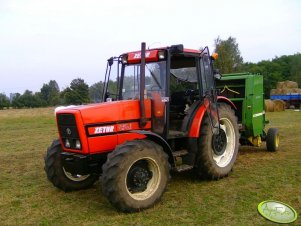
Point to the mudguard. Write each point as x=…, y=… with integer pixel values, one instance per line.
x=195, y=124
x=159, y=140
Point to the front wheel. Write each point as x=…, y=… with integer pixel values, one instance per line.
x=217, y=153
x=61, y=178
x=135, y=175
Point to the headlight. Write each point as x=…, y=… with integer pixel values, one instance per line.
x=124, y=59
x=67, y=143
x=78, y=144
x=161, y=55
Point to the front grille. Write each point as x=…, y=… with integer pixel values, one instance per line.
x=68, y=130
x=66, y=119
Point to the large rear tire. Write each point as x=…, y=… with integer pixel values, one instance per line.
x=135, y=175
x=217, y=153
x=59, y=177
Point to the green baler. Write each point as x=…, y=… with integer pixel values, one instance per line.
x=246, y=92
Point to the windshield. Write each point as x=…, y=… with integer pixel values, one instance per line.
x=155, y=75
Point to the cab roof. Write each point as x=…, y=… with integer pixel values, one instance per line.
x=152, y=55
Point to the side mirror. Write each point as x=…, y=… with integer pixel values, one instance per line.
x=216, y=74
x=110, y=61
x=216, y=71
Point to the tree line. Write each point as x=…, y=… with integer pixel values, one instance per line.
x=286, y=67
x=50, y=95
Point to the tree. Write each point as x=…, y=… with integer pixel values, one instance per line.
x=38, y=101
x=295, y=69
x=95, y=92
x=16, y=101
x=27, y=100
x=4, y=101
x=77, y=93
x=229, y=59
x=50, y=93
x=30, y=100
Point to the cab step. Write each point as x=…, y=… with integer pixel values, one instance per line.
x=182, y=168
x=180, y=153
x=173, y=134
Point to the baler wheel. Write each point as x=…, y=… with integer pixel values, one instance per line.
x=272, y=139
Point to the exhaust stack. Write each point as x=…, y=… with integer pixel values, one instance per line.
x=142, y=85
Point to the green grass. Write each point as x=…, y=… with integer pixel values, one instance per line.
x=28, y=198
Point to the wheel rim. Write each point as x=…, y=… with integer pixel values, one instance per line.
x=75, y=177
x=224, y=157
x=219, y=142
x=143, y=178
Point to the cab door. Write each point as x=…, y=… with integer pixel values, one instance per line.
x=208, y=89
x=155, y=84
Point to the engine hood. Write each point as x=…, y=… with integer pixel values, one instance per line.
x=116, y=111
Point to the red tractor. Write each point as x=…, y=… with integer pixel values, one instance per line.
x=161, y=113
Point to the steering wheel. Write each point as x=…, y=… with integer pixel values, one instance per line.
x=189, y=92
x=191, y=95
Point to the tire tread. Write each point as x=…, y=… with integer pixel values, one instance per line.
x=55, y=173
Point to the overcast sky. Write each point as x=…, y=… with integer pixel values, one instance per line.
x=61, y=40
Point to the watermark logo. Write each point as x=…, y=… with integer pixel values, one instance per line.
x=277, y=211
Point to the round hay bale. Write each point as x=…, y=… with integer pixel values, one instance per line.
x=273, y=92
x=279, y=91
x=290, y=84
x=280, y=85
x=268, y=105
x=297, y=90
x=287, y=90
x=279, y=105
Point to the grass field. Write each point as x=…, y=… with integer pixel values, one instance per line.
x=27, y=198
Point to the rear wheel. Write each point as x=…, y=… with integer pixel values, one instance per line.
x=272, y=139
x=217, y=153
x=59, y=177
x=135, y=175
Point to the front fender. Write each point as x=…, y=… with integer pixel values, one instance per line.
x=159, y=140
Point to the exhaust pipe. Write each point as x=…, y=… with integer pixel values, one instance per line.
x=142, y=86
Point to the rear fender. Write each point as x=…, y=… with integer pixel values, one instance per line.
x=194, y=131
x=222, y=99
x=159, y=140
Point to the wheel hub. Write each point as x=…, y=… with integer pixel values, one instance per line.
x=219, y=142
x=138, y=178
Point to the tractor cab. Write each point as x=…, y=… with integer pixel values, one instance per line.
x=175, y=79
